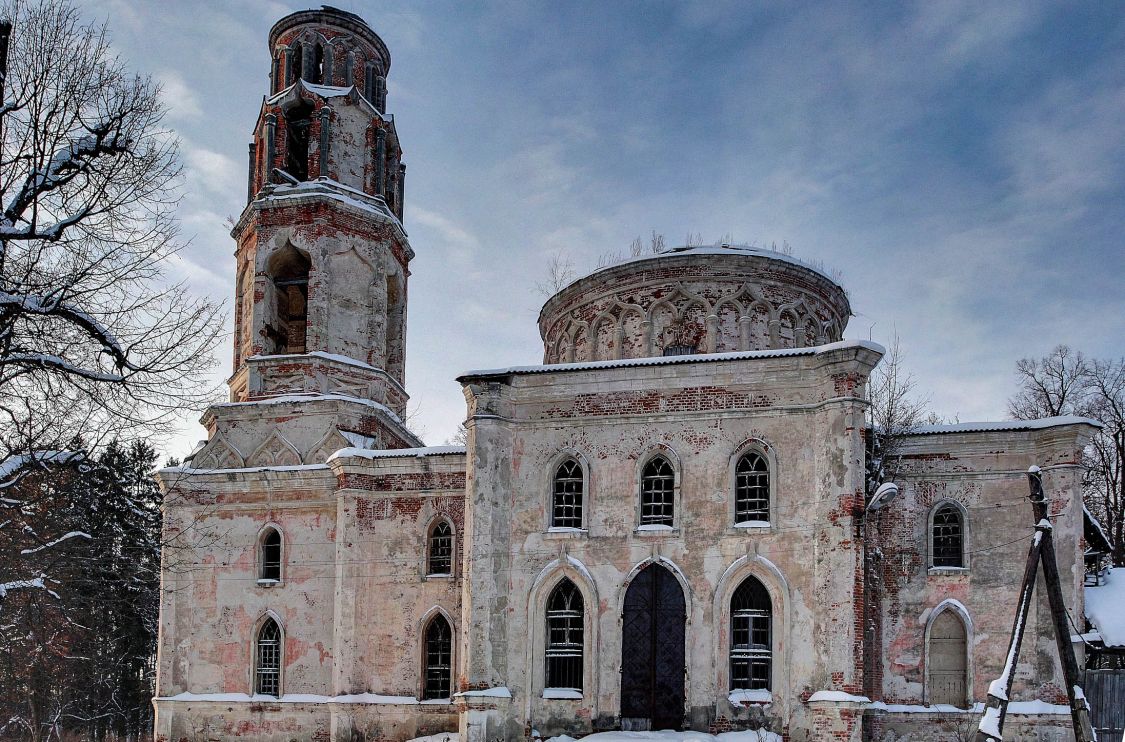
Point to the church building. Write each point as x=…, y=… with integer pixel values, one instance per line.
x=661, y=526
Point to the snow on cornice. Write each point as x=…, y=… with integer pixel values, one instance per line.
x=393, y=453
x=671, y=360
x=1004, y=425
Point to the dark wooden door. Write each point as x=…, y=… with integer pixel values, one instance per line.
x=652, y=652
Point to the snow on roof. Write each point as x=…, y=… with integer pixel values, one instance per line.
x=297, y=398
x=670, y=360
x=392, y=453
x=747, y=250
x=1093, y=527
x=987, y=427
x=1105, y=607
x=333, y=190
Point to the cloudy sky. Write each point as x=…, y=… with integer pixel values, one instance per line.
x=961, y=164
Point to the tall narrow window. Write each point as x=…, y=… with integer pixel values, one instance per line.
x=318, y=64
x=438, y=658
x=289, y=269
x=564, y=637
x=566, y=502
x=948, y=537
x=294, y=58
x=658, y=483
x=751, y=647
x=267, y=673
x=298, y=120
x=440, y=559
x=271, y=556
x=752, y=489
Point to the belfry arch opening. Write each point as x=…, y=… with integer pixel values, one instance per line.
x=298, y=122
x=289, y=270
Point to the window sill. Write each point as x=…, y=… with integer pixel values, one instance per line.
x=562, y=694
x=656, y=530
x=947, y=570
x=438, y=576
x=557, y=532
x=750, y=526
x=268, y=583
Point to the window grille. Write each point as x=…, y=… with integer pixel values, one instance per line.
x=271, y=556
x=268, y=672
x=566, y=505
x=751, y=642
x=564, y=637
x=680, y=350
x=658, y=481
x=441, y=550
x=752, y=489
x=439, y=659
x=948, y=537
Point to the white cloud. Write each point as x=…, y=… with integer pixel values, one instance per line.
x=182, y=101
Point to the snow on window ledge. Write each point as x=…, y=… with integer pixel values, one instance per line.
x=440, y=576
x=567, y=531
x=564, y=694
x=654, y=528
x=947, y=570
x=268, y=582
x=753, y=524
x=742, y=697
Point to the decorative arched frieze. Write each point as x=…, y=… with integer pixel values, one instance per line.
x=275, y=450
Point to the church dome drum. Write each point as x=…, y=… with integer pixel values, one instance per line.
x=693, y=300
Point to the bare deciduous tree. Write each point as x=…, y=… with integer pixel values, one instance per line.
x=93, y=338
x=560, y=272
x=1066, y=382
x=895, y=409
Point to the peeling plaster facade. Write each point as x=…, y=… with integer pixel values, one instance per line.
x=698, y=355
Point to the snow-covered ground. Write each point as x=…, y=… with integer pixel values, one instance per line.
x=669, y=736
x=1105, y=607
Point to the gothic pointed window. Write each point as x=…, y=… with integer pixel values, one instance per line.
x=948, y=537
x=289, y=270
x=267, y=671
x=317, y=73
x=751, y=637
x=298, y=121
x=294, y=60
x=751, y=489
x=270, y=556
x=564, y=645
x=440, y=556
x=658, y=483
x=566, y=499
x=437, y=671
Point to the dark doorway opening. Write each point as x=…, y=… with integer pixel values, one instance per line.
x=652, y=652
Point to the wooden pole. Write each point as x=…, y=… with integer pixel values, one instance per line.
x=992, y=723
x=1079, y=713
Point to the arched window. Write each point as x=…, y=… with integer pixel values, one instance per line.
x=289, y=269
x=658, y=484
x=566, y=500
x=294, y=58
x=317, y=75
x=752, y=489
x=298, y=120
x=270, y=556
x=437, y=670
x=947, y=661
x=564, y=637
x=440, y=556
x=948, y=537
x=751, y=637
x=267, y=672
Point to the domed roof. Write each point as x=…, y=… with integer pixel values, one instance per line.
x=693, y=299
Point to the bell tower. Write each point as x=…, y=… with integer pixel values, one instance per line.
x=322, y=257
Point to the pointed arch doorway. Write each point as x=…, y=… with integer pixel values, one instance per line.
x=652, y=651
